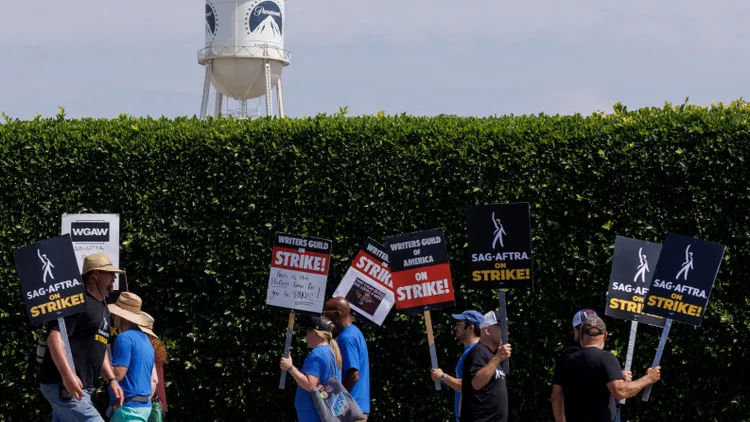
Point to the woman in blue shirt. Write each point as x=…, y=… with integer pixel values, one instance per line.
x=318, y=366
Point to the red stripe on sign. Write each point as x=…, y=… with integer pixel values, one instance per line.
x=364, y=263
x=293, y=259
x=423, y=286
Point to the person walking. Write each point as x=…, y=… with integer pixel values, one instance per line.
x=67, y=391
x=467, y=332
x=318, y=365
x=484, y=395
x=132, y=359
x=159, y=398
x=355, y=359
x=588, y=381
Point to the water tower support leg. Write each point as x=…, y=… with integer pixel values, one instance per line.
x=219, y=98
x=206, y=89
x=269, y=93
x=280, y=98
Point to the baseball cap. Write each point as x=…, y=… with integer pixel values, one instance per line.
x=472, y=316
x=594, y=326
x=492, y=318
x=319, y=323
x=581, y=315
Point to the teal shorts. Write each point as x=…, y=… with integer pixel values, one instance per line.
x=131, y=414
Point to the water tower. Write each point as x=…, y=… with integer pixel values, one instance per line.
x=244, y=53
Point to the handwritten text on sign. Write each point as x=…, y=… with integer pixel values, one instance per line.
x=299, y=271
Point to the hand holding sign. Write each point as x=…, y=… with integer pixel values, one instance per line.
x=421, y=276
x=52, y=289
x=682, y=284
x=297, y=281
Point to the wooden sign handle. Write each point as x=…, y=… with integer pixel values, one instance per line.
x=431, y=343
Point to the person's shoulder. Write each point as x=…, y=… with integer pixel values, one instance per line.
x=351, y=333
x=566, y=352
x=479, y=351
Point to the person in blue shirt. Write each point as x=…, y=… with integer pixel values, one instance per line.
x=467, y=331
x=354, y=355
x=318, y=366
x=132, y=359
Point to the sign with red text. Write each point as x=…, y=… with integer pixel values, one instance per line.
x=367, y=285
x=683, y=278
x=50, y=280
x=420, y=271
x=299, y=272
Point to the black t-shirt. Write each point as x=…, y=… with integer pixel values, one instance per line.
x=88, y=334
x=584, y=375
x=565, y=353
x=490, y=403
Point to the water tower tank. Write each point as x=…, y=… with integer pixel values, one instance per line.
x=242, y=36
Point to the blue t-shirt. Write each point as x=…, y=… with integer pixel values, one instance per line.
x=354, y=356
x=459, y=366
x=132, y=349
x=318, y=363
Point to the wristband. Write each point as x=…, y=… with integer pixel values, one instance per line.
x=110, y=380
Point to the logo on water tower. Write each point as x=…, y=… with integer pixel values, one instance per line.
x=211, y=22
x=265, y=17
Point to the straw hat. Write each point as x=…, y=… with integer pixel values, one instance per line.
x=128, y=306
x=148, y=328
x=99, y=261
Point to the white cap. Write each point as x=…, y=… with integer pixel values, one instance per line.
x=490, y=318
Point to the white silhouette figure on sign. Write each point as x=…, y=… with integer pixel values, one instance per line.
x=499, y=231
x=687, y=265
x=46, y=266
x=642, y=268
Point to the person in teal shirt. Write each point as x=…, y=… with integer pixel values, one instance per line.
x=319, y=366
x=467, y=332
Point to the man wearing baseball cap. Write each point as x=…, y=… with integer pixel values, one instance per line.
x=578, y=319
x=484, y=395
x=590, y=379
x=467, y=331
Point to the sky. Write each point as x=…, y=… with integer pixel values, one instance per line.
x=420, y=57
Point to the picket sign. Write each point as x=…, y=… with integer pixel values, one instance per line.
x=297, y=280
x=421, y=277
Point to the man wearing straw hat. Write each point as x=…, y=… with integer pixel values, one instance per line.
x=69, y=392
x=132, y=359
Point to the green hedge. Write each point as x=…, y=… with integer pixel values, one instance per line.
x=200, y=201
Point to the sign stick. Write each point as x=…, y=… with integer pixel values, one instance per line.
x=66, y=343
x=287, y=347
x=628, y=358
x=504, y=326
x=659, y=351
x=431, y=342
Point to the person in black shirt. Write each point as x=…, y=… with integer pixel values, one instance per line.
x=587, y=381
x=484, y=395
x=68, y=392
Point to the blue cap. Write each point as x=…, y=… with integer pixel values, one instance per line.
x=472, y=316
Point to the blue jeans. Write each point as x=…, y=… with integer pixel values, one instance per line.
x=70, y=410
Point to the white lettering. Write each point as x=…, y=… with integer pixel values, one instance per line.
x=262, y=10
